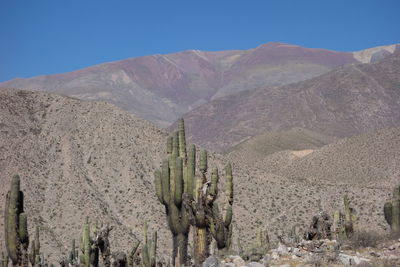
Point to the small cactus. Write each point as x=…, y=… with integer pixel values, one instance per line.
x=149, y=249
x=35, y=247
x=391, y=210
x=16, y=225
x=221, y=226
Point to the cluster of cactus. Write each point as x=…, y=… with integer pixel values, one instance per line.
x=320, y=227
x=16, y=225
x=343, y=224
x=89, y=253
x=391, y=211
x=16, y=231
x=189, y=199
x=257, y=251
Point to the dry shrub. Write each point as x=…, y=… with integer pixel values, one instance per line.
x=363, y=239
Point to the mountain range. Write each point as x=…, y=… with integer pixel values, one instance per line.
x=161, y=88
x=352, y=99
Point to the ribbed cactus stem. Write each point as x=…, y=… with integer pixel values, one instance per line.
x=203, y=161
x=228, y=195
x=178, y=182
x=23, y=229
x=191, y=171
x=158, y=185
x=169, y=145
x=182, y=139
x=175, y=144
x=348, y=223
x=149, y=248
x=37, y=240
x=214, y=182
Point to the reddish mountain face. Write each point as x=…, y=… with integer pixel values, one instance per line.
x=352, y=99
x=160, y=88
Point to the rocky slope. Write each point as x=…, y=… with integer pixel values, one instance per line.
x=80, y=158
x=161, y=88
x=350, y=100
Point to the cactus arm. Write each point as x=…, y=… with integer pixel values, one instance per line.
x=182, y=139
x=23, y=230
x=203, y=161
x=165, y=178
x=158, y=185
x=190, y=173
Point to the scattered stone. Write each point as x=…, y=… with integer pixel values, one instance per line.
x=351, y=260
x=374, y=254
x=255, y=264
x=211, y=262
x=238, y=261
x=266, y=260
x=275, y=255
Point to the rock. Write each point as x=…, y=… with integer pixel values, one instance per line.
x=228, y=264
x=284, y=265
x=275, y=255
x=282, y=249
x=266, y=260
x=254, y=264
x=238, y=261
x=351, y=260
x=211, y=262
x=374, y=254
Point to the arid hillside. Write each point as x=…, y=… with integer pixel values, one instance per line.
x=260, y=146
x=350, y=100
x=160, y=88
x=79, y=158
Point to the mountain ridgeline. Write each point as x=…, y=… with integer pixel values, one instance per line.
x=161, y=88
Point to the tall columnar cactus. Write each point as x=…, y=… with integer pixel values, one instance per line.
x=35, y=247
x=189, y=198
x=15, y=225
x=149, y=249
x=171, y=185
x=391, y=210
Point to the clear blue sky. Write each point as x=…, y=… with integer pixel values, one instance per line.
x=45, y=37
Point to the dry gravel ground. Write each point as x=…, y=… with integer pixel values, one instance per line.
x=80, y=158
